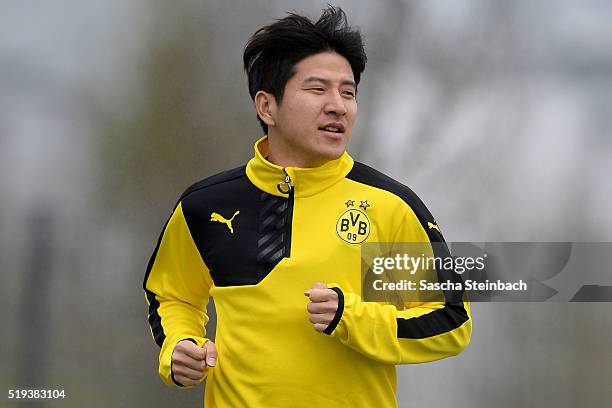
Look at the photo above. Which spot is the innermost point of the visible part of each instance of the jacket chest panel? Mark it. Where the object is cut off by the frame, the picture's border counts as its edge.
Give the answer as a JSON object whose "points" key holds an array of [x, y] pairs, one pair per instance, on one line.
{"points": [[241, 232]]}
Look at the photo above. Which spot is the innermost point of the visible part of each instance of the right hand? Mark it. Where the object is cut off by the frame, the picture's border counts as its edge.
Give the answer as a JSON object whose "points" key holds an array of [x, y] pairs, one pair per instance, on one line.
{"points": [[189, 361]]}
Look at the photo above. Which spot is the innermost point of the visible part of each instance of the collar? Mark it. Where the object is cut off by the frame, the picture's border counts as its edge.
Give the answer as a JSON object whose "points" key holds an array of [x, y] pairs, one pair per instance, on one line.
{"points": [[305, 181]]}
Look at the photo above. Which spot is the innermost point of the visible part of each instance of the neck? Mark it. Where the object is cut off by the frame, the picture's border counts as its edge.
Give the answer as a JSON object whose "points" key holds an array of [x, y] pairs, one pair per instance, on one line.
{"points": [[284, 156]]}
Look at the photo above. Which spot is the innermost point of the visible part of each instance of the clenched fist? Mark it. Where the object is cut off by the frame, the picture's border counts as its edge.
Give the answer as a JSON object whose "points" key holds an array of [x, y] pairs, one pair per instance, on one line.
{"points": [[322, 307], [189, 361]]}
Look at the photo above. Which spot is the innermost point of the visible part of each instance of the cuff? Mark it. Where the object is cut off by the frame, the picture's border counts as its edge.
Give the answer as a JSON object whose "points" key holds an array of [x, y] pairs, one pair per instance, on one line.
{"points": [[338, 315]]}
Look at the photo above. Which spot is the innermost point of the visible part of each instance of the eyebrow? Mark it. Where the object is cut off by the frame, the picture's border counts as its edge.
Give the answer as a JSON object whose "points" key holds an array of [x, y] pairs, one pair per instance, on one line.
{"points": [[327, 81]]}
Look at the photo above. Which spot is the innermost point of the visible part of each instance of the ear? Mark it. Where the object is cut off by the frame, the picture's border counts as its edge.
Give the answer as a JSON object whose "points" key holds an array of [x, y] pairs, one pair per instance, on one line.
{"points": [[265, 105]]}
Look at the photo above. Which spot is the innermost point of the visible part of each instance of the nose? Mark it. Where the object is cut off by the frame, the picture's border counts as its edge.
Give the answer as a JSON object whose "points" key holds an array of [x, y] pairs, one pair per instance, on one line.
{"points": [[335, 104]]}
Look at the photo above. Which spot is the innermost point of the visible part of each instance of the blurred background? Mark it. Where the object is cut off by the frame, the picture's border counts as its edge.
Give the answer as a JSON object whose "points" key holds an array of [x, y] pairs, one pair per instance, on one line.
{"points": [[497, 113]]}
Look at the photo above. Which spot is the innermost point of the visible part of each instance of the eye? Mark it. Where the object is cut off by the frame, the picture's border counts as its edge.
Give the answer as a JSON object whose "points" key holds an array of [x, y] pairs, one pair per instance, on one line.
{"points": [[317, 89], [350, 94]]}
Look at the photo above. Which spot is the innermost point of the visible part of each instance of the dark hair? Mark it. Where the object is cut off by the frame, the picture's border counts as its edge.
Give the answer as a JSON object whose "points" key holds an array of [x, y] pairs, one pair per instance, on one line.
{"points": [[273, 51]]}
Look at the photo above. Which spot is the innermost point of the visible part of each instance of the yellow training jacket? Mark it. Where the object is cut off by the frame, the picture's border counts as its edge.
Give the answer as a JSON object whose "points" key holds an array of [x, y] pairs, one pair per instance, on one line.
{"points": [[255, 238]]}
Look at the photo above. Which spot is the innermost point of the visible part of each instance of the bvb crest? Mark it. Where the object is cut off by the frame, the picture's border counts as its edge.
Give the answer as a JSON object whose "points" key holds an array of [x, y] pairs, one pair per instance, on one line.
{"points": [[353, 226]]}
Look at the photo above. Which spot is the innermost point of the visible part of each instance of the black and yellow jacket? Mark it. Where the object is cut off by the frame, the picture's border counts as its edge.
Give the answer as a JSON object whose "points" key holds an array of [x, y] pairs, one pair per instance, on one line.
{"points": [[255, 238]]}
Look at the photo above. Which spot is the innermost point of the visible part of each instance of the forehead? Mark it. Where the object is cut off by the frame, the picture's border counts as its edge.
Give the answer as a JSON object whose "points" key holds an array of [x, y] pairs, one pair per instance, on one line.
{"points": [[328, 65]]}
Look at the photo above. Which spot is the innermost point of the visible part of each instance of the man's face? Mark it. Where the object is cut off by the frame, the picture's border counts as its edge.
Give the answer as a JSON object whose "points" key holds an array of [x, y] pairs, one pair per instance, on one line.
{"points": [[314, 121]]}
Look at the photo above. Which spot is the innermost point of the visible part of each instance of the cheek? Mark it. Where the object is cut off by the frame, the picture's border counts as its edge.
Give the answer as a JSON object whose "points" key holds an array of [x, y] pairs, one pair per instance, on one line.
{"points": [[352, 113], [303, 111]]}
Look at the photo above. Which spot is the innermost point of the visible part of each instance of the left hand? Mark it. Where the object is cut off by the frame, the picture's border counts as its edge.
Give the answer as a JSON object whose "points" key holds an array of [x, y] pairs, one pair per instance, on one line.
{"points": [[322, 307]]}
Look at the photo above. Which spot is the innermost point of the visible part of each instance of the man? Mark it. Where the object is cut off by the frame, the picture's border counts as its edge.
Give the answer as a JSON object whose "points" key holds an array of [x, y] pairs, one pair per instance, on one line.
{"points": [[277, 244]]}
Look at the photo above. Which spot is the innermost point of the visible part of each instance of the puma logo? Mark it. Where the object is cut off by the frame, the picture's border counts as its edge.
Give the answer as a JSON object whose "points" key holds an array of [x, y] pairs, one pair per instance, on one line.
{"points": [[219, 218], [431, 225]]}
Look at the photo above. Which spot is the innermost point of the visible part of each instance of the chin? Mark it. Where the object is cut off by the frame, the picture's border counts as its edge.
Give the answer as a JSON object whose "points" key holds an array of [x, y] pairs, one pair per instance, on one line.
{"points": [[331, 153]]}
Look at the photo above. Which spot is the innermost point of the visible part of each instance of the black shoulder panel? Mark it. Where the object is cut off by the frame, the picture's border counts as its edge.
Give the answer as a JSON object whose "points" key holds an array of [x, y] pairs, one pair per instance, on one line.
{"points": [[224, 176], [237, 228], [453, 314], [217, 178], [367, 175]]}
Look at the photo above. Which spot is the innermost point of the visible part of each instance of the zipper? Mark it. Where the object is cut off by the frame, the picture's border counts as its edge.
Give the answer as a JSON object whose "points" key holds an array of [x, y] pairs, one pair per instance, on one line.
{"points": [[287, 189]]}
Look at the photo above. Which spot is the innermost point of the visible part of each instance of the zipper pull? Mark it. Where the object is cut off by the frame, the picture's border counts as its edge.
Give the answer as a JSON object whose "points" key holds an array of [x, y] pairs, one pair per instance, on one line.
{"points": [[286, 182]]}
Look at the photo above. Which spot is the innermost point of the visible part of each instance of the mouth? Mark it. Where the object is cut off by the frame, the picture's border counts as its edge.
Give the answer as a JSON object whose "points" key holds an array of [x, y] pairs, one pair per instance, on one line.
{"points": [[335, 128]]}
